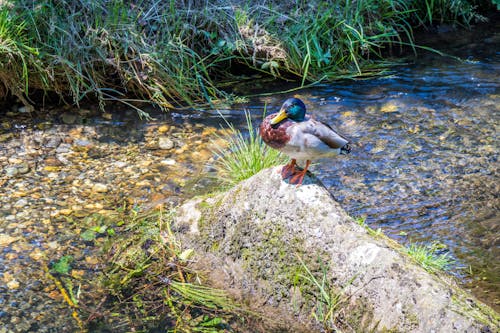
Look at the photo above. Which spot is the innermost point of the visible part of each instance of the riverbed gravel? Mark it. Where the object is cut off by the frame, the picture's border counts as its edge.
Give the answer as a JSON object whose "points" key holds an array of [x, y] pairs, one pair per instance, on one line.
{"points": [[58, 167]]}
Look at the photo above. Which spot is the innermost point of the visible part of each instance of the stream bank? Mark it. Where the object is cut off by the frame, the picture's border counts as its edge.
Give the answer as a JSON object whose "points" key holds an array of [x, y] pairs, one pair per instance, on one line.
{"points": [[63, 172]]}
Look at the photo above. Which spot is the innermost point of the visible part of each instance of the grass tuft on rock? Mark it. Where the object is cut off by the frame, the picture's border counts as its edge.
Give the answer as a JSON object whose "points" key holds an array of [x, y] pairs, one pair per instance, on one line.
{"points": [[330, 301], [244, 156], [428, 257]]}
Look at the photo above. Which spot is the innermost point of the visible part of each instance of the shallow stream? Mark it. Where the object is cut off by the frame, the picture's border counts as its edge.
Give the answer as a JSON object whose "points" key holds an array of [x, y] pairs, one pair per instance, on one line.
{"points": [[423, 168], [424, 162]]}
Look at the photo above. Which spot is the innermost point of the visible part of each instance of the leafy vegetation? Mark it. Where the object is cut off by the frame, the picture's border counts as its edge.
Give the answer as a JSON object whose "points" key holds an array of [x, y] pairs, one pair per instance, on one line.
{"points": [[113, 48], [329, 299], [374, 232], [245, 156], [63, 265], [17, 57], [173, 53], [150, 284], [428, 257]]}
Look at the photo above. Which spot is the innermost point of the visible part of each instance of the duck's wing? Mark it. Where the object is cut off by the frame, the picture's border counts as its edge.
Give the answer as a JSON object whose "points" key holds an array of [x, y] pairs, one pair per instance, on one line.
{"points": [[325, 133]]}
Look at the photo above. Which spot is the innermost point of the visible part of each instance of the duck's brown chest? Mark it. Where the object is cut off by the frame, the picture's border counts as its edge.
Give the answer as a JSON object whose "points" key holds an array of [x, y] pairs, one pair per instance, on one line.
{"points": [[275, 135]]}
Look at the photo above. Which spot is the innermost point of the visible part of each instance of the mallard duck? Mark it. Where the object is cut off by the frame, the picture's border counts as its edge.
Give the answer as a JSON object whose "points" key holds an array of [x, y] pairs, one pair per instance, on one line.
{"points": [[300, 137]]}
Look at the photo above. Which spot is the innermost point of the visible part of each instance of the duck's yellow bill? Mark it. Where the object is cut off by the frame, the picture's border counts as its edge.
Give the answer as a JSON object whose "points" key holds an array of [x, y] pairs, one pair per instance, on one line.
{"points": [[279, 117]]}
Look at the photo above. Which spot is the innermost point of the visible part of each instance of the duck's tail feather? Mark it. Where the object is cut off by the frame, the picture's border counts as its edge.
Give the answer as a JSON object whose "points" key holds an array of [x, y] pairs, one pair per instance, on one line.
{"points": [[346, 149]]}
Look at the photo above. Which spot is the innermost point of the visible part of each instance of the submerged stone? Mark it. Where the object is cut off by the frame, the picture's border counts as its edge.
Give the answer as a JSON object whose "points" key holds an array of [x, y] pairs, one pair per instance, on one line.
{"points": [[69, 118], [6, 240], [11, 171], [23, 168], [100, 188], [165, 143], [20, 203]]}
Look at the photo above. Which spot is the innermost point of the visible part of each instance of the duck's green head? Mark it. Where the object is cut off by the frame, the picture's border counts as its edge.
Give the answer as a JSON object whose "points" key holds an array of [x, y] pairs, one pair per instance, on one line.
{"points": [[293, 108]]}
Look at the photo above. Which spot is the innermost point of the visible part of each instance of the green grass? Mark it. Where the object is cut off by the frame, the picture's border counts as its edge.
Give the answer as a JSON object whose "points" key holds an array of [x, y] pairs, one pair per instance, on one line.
{"points": [[174, 54], [17, 57], [373, 232], [149, 283], [427, 256], [342, 38], [115, 50], [328, 299], [244, 156], [448, 11]]}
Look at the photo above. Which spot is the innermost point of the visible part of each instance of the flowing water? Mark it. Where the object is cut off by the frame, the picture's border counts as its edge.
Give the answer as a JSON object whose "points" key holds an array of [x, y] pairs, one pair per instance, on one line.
{"points": [[424, 162], [423, 168]]}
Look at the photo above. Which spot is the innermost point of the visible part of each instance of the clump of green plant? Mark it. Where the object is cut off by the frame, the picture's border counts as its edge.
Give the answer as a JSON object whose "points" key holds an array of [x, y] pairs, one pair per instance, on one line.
{"points": [[151, 286], [245, 156], [374, 232], [341, 39], [177, 53], [114, 50], [62, 266], [428, 256], [97, 225], [328, 300], [17, 56]]}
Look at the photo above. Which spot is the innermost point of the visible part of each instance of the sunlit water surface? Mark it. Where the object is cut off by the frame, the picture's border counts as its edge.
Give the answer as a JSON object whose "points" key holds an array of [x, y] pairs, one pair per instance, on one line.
{"points": [[424, 163], [423, 167]]}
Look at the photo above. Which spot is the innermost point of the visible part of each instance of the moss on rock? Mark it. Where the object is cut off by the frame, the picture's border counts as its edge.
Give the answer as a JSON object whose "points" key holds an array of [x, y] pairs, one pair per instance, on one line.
{"points": [[294, 250]]}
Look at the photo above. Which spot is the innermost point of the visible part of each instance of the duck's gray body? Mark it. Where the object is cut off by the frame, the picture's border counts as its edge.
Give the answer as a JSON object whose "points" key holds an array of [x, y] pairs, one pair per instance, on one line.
{"points": [[311, 140]]}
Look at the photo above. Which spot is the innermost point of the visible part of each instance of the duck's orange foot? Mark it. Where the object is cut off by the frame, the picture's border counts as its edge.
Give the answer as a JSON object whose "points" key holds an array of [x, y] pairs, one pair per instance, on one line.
{"points": [[289, 169], [298, 176]]}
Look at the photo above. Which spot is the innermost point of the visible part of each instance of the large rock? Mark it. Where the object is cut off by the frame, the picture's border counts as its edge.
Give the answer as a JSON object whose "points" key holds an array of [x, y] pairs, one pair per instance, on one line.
{"points": [[260, 236]]}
